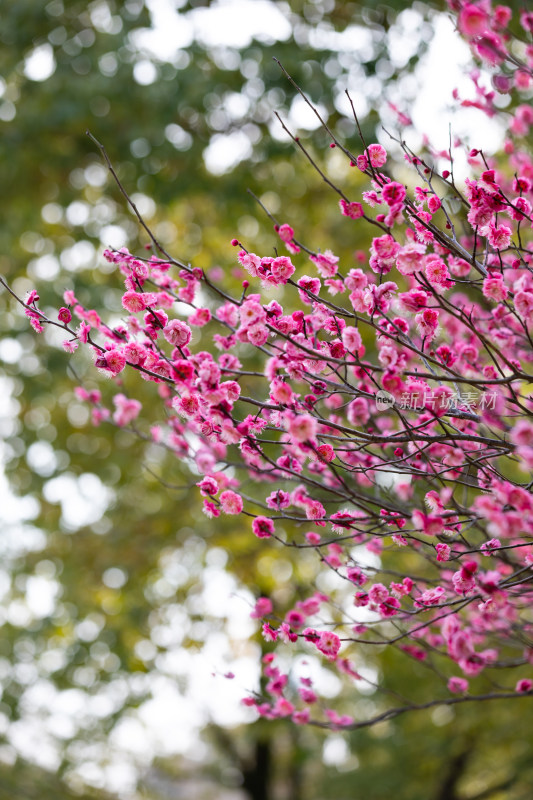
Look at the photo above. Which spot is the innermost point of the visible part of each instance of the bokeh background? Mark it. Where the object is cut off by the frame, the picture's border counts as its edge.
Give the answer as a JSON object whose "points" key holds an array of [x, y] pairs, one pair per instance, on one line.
{"points": [[122, 607]]}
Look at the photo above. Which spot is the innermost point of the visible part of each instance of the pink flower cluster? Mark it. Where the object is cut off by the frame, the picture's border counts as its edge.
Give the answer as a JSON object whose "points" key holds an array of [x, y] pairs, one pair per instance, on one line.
{"points": [[304, 383]]}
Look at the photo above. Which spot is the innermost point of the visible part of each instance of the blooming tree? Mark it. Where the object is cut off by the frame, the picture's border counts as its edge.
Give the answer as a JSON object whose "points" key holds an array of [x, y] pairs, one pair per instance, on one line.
{"points": [[388, 428]]}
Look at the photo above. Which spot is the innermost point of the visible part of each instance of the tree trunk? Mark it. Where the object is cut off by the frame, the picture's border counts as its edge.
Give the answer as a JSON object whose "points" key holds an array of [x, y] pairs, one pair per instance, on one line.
{"points": [[257, 775]]}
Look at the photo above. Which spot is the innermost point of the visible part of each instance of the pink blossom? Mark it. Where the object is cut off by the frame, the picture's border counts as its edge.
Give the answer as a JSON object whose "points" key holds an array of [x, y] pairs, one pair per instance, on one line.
{"points": [[329, 644], [358, 411], [522, 80], [473, 20], [278, 499], [410, 258], [457, 685], [352, 210], [521, 208], [325, 453], [285, 232], [463, 580], [414, 300], [163, 299], [377, 155], [199, 317], [64, 315], [372, 198], [231, 390], [434, 203], [356, 575], [188, 405], [351, 339], [361, 599], [522, 433], [283, 708], [458, 266], [489, 581], [302, 427], [281, 392], [251, 313], [126, 409], [356, 279], [315, 510], [92, 397], [35, 320], [308, 284], [277, 683], [257, 335], [177, 333], [263, 527], [437, 273], [489, 547], [228, 313], [326, 263], [499, 237], [155, 319], [501, 16], [281, 270], [431, 597], [523, 302], [250, 262], [301, 717], [443, 551], [135, 353], [231, 502], [263, 606], [385, 247], [427, 323], [431, 525], [495, 289], [389, 607], [393, 193], [311, 605], [133, 302], [307, 695], [526, 20], [210, 509], [98, 415], [269, 634], [378, 593], [387, 356], [490, 47], [335, 286], [208, 486], [295, 619], [338, 720], [115, 360]]}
